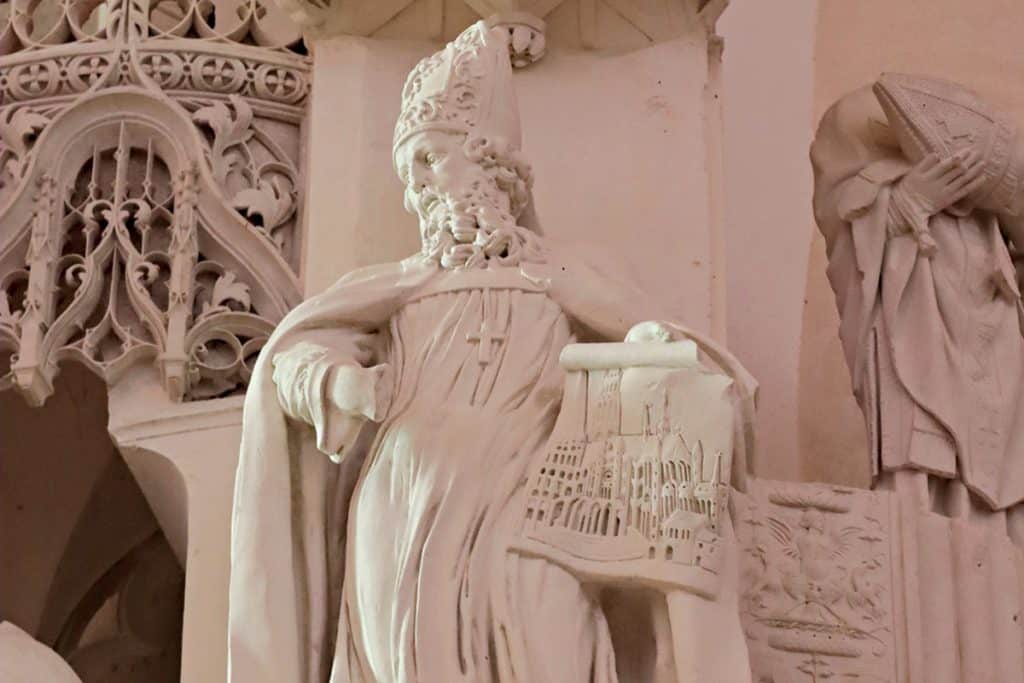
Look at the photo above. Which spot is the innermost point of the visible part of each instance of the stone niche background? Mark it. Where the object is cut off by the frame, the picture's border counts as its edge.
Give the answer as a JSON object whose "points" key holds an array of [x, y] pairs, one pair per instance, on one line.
{"points": [[624, 141], [85, 568]]}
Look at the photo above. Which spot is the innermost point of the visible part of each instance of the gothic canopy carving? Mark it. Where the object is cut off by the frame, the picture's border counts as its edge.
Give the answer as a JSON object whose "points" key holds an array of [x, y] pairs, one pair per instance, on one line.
{"points": [[150, 189]]}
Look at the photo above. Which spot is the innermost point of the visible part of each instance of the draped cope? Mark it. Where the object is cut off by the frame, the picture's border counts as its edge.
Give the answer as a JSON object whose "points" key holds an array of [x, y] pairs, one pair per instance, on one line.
{"points": [[393, 565]]}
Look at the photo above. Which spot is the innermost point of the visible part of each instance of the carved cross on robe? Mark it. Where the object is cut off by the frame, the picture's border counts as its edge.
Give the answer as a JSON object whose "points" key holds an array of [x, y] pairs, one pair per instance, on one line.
{"points": [[488, 333]]}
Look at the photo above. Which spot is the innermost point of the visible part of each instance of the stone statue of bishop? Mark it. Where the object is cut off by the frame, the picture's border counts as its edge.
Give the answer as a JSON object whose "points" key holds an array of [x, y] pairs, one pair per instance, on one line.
{"points": [[917, 192], [390, 422]]}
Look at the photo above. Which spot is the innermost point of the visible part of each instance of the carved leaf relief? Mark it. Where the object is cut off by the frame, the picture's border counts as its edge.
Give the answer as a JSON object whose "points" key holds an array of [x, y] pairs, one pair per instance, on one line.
{"points": [[19, 130], [269, 204], [231, 128], [119, 277], [110, 269], [228, 294], [247, 56], [251, 166]]}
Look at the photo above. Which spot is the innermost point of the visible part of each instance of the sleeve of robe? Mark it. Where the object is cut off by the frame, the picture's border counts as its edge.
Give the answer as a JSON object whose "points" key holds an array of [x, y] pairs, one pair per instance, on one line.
{"points": [[857, 218], [856, 249], [324, 387]]}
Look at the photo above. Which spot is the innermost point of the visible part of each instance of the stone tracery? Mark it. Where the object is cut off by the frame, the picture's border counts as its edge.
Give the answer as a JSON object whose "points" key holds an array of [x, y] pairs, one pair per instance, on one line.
{"points": [[148, 247]]}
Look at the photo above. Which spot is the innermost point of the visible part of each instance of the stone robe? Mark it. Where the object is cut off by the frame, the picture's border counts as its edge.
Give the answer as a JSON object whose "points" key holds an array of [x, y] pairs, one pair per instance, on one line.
{"points": [[409, 535], [430, 593], [934, 345]]}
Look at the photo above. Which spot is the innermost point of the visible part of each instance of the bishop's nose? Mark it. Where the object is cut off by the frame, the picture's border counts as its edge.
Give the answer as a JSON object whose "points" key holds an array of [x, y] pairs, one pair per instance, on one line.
{"points": [[419, 177]]}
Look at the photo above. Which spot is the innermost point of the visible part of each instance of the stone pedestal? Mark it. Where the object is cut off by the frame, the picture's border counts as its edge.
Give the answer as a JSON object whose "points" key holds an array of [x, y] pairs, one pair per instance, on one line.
{"points": [[184, 457], [863, 584]]}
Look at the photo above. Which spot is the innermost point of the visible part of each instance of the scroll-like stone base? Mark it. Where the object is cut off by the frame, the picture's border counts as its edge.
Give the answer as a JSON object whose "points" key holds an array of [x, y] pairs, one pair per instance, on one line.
{"points": [[847, 582]]}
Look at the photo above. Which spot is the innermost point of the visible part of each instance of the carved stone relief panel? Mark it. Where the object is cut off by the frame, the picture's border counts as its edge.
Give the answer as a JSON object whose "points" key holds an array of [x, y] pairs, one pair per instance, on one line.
{"points": [[256, 169], [115, 273], [633, 488], [817, 582], [251, 52]]}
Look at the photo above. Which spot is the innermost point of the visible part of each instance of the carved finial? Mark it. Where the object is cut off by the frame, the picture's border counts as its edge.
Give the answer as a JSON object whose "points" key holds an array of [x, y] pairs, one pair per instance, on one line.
{"points": [[526, 40], [697, 462]]}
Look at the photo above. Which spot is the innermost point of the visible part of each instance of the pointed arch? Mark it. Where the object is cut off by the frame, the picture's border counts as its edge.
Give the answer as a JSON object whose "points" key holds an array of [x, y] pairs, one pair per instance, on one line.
{"points": [[122, 247]]}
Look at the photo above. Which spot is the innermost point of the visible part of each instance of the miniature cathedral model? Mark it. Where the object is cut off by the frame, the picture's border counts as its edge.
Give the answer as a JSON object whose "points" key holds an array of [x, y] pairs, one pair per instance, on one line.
{"points": [[627, 488]]}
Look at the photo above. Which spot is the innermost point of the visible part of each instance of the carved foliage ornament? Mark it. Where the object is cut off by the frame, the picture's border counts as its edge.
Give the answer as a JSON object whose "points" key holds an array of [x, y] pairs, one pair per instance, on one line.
{"points": [[241, 54], [133, 254], [114, 273], [245, 161]]}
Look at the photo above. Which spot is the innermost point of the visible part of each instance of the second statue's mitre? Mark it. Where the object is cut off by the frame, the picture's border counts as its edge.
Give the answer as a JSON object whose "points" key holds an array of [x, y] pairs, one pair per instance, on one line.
{"points": [[930, 115], [465, 88]]}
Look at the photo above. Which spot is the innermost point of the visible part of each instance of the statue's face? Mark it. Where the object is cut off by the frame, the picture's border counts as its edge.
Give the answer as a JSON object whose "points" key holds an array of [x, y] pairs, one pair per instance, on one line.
{"points": [[434, 167], [462, 192]]}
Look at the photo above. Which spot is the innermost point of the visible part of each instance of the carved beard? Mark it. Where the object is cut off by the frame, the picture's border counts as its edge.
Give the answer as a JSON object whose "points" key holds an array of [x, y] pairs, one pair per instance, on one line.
{"points": [[472, 231]]}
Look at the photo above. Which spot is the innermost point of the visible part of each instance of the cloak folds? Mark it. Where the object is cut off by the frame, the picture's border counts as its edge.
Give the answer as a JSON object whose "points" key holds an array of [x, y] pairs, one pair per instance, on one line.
{"points": [[291, 501], [289, 513]]}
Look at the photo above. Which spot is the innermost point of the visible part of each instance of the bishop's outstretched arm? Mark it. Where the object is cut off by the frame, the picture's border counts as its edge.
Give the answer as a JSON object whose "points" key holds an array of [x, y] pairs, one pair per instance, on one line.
{"points": [[332, 391], [329, 363]]}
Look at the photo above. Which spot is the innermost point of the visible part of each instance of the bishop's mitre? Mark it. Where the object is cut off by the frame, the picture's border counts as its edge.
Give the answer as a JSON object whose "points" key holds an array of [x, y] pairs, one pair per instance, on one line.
{"points": [[466, 88], [932, 115]]}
